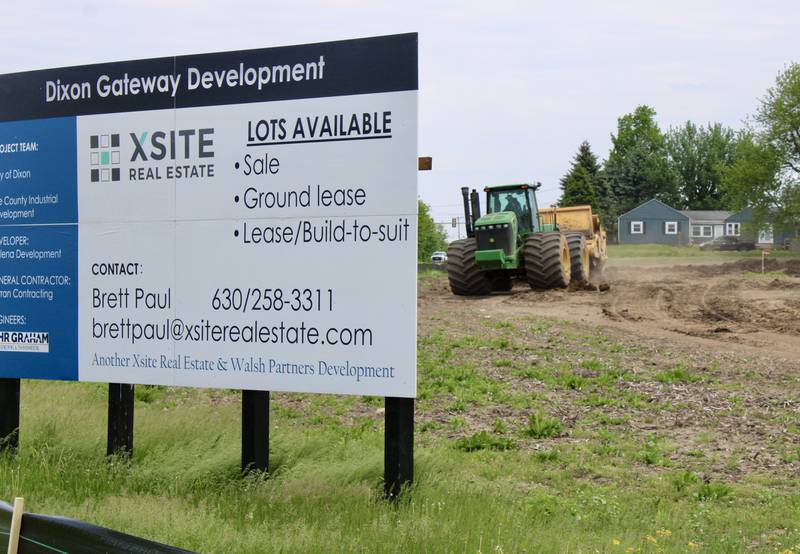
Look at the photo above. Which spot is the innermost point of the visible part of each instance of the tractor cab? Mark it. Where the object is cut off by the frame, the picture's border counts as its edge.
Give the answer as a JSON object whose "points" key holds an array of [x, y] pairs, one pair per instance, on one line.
{"points": [[512, 215], [518, 199]]}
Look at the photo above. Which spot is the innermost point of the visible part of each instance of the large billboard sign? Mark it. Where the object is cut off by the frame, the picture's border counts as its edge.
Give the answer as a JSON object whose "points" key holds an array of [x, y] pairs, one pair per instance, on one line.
{"points": [[240, 220]]}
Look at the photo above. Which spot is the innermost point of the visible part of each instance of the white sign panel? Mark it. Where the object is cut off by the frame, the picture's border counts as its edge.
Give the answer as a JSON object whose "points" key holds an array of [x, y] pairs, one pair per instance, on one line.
{"points": [[239, 220]]}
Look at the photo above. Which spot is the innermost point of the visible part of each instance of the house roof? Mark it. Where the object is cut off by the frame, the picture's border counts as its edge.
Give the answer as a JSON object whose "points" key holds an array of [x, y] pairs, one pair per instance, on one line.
{"points": [[707, 215], [656, 202]]}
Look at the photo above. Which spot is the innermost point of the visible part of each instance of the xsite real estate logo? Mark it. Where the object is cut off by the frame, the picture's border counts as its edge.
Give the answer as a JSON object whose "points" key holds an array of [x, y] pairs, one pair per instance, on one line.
{"points": [[104, 158]]}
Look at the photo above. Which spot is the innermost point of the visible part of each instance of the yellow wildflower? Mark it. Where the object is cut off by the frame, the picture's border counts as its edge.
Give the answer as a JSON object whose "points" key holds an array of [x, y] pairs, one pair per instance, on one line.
{"points": [[664, 533], [615, 542], [651, 538], [693, 545]]}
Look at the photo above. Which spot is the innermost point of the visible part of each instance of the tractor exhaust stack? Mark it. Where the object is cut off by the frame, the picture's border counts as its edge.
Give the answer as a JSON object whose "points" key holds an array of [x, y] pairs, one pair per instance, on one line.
{"points": [[467, 216], [475, 200]]}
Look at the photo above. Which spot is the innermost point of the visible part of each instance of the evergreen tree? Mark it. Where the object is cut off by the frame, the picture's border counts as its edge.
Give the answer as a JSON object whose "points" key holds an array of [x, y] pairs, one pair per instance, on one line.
{"points": [[578, 188], [585, 183], [586, 158]]}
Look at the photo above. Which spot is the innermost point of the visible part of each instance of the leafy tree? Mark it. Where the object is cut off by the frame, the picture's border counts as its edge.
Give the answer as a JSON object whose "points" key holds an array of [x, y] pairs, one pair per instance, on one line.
{"points": [[778, 119], [698, 156], [752, 180], [637, 168], [606, 202], [430, 236], [766, 176]]}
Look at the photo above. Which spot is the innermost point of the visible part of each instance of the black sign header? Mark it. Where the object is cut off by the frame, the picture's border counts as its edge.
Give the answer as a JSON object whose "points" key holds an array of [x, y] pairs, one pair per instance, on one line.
{"points": [[360, 66]]}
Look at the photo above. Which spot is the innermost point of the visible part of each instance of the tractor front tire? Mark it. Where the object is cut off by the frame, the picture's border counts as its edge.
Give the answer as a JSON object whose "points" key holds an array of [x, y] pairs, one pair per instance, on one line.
{"points": [[547, 261], [578, 257], [466, 278]]}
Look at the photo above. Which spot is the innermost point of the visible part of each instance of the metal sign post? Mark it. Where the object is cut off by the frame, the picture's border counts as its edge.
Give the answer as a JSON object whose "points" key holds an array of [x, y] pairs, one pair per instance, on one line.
{"points": [[398, 455], [120, 420], [255, 431], [9, 414]]}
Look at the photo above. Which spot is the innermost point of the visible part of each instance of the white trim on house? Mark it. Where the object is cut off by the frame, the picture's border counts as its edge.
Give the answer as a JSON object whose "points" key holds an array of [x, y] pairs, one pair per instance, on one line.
{"points": [[670, 227], [702, 231], [637, 227], [733, 229]]}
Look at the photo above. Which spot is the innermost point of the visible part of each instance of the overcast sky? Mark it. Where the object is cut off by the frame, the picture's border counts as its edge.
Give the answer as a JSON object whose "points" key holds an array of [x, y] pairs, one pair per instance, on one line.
{"points": [[508, 90]]}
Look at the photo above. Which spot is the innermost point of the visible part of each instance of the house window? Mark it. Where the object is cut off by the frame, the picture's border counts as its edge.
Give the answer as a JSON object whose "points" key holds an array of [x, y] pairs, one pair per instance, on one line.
{"points": [[733, 229], [765, 235], [671, 228], [702, 231], [637, 227]]}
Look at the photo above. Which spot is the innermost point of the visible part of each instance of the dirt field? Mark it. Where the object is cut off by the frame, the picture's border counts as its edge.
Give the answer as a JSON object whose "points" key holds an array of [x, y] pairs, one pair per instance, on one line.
{"points": [[730, 305], [704, 359]]}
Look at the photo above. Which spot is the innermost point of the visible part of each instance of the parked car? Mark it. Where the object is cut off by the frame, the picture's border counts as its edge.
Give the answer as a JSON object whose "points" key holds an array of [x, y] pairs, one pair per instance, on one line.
{"points": [[728, 243], [438, 257]]}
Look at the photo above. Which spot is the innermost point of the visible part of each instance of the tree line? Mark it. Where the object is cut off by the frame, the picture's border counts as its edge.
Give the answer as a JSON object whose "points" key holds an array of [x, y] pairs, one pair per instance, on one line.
{"points": [[691, 167], [697, 167]]}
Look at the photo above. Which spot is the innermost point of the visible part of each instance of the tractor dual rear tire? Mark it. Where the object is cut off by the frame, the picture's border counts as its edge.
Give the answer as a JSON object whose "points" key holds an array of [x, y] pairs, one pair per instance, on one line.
{"points": [[578, 257], [547, 261], [466, 278]]}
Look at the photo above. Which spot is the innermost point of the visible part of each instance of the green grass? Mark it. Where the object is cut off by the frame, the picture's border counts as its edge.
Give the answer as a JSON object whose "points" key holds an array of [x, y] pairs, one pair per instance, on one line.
{"points": [[524, 429], [182, 487], [617, 251]]}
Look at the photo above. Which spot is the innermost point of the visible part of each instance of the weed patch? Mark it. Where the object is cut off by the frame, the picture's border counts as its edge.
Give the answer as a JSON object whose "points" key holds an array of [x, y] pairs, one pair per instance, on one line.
{"points": [[542, 427], [676, 376], [713, 491], [484, 441]]}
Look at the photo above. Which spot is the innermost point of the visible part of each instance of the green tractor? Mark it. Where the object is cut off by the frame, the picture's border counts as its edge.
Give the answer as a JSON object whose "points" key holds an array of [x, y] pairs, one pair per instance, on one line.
{"points": [[511, 241]]}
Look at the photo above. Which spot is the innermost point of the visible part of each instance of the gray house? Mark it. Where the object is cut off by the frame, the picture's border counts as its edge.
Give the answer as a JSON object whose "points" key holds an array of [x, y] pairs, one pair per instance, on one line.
{"points": [[706, 224], [737, 225], [653, 223]]}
